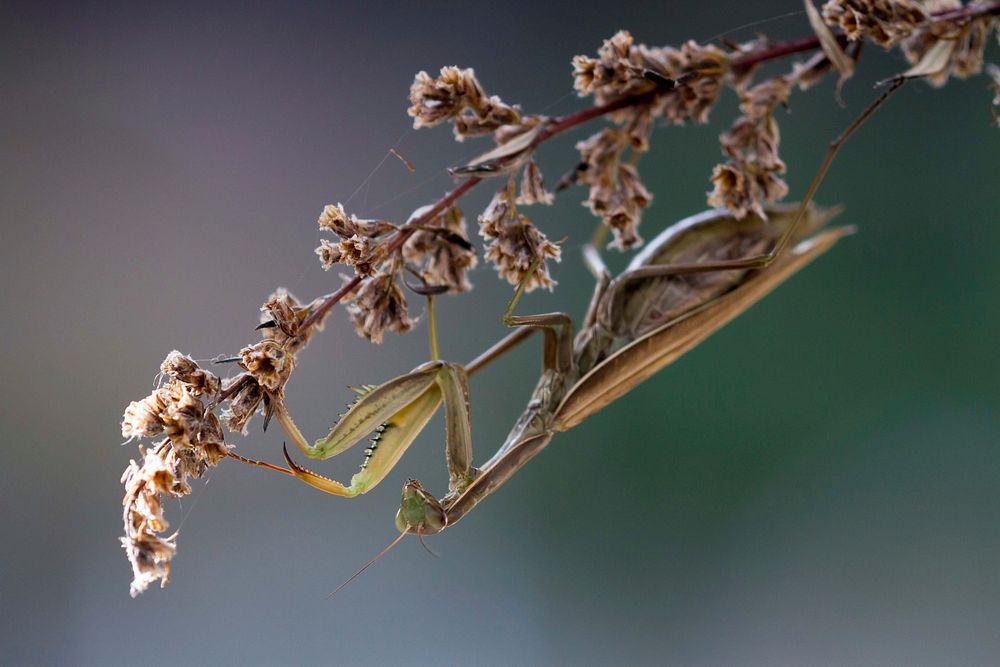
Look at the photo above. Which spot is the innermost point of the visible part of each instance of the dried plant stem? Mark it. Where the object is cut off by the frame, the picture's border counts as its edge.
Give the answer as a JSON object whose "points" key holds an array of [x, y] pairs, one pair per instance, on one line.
{"points": [[967, 12], [771, 52]]}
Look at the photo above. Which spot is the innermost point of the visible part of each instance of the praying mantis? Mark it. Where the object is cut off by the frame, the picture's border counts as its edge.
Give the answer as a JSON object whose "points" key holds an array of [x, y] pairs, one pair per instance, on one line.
{"points": [[690, 281]]}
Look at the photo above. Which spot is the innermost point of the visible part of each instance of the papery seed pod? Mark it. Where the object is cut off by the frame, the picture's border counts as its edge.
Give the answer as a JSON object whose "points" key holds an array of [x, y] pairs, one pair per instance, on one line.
{"points": [[532, 188], [442, 258], [751, 176], [379, 307], [456, 96], [513, 243], [884, 22], [336, 220], [268, 363], [242, 406]]}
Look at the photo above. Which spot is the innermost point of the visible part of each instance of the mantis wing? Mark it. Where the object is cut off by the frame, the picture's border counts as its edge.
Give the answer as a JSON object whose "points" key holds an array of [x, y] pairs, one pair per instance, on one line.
{"points": [[637, 361]]}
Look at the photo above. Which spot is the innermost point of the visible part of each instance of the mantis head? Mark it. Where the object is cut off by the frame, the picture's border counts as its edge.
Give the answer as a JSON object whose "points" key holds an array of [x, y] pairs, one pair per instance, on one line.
{"points": [[419, 511]]}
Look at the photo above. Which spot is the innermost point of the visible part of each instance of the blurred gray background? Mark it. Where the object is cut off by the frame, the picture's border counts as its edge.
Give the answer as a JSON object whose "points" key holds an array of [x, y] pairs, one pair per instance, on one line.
{"points": [[819, 483]]}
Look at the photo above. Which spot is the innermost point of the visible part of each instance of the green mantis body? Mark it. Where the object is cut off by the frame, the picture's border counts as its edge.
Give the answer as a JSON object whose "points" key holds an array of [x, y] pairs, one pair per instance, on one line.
{"points": [[690, 281]]}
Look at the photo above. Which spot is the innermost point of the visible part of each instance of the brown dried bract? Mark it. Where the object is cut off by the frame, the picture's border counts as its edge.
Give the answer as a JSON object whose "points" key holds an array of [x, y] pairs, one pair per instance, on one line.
{"points": [[440, 257], [623, 68], [335, 219], [243, 406], [457, 96], [751, 176], [956, 49], [532, 188], [379, 307], [885, 22], [617, 195], [514, 242]]}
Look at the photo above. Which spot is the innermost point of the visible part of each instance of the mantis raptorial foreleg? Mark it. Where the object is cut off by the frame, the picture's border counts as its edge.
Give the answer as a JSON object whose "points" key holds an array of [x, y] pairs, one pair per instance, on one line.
{"points": [[400, 408]]}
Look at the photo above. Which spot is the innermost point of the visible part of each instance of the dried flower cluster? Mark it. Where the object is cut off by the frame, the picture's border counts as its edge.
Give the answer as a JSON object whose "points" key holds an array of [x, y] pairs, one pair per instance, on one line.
{"points": [[937, 49], [268, 363], [364, 244], [433, 245], [885, 22], [440, 252], [623, 68], [182, 409], [514, 244], [456, 96], [692, 75], [751, 175], [193, 442]]}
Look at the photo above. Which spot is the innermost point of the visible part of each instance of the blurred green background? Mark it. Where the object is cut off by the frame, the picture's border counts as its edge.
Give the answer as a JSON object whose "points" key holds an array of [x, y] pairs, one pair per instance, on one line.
{"points": [[819, 483]]}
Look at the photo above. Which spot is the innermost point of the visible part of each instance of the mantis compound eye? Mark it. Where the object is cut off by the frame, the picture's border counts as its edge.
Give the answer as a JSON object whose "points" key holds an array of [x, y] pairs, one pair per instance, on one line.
{"points": [[419, 511]]}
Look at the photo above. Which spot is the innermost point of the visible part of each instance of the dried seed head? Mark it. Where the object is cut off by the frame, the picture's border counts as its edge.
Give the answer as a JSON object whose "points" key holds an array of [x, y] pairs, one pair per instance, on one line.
{"points": [[617, 195], [623, 68], [638, 127], [759, 102], [329, 254], [750, 177], [182, 414], [379, 307], [183, 368], [194, 442], [532, 188], [456, 96], [514, 243], [363, 243], [173, 408], [142, 418], [335, 219], [288, 314], [884, 22], [440, 257], [948, 48], [149, 554], [242, 406], [268, 363], [363, 253], [706, 65], [615, 72]]}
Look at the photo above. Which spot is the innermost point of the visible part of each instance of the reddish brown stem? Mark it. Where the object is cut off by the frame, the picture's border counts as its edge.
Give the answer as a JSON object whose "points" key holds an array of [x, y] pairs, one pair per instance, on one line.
{"points": [[568, 122]]}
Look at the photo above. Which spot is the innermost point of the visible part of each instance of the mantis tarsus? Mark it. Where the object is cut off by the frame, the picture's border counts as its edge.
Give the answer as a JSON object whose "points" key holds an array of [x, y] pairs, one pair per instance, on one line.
{"points": [[691, 280]]}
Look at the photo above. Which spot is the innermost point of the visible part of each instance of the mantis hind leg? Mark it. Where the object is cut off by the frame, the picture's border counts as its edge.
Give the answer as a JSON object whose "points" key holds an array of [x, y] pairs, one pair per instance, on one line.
{"points": [[763, 260], [557, 348]]}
